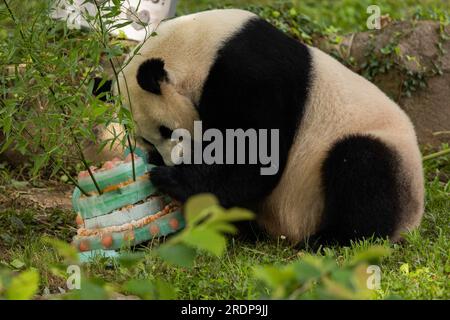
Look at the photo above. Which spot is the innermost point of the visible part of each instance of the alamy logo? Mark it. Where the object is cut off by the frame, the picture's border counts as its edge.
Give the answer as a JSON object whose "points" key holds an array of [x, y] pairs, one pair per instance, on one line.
{"points": [[74, 279], [141, 13], [374, 279], [236, 146], [374, 20]]}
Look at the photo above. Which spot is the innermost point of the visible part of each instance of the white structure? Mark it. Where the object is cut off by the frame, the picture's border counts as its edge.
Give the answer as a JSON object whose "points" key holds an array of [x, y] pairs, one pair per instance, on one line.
{"points": [[145, 14]]}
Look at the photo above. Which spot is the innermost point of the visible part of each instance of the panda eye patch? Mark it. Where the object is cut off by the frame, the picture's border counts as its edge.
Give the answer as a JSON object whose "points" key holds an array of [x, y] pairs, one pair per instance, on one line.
{"points": [[165, 132]]}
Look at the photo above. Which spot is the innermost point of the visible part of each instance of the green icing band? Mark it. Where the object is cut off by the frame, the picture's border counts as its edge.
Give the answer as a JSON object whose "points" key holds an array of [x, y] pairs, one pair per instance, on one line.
{"points": [[121, 173], [94, 206], [161, 227]]}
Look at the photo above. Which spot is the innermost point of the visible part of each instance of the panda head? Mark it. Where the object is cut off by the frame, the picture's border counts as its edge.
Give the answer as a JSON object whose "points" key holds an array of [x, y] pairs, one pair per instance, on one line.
{"points": [[157, 106]]}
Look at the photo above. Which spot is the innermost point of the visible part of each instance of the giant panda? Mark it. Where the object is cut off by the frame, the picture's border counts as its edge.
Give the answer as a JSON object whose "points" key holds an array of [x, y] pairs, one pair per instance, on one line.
{"points": [[349, 163]]}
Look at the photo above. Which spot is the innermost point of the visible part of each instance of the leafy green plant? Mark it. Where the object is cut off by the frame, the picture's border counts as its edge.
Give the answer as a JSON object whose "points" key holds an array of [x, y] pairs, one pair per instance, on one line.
{"points": [[314, 277], [390, 57], [291, 21], [208, 225], [38, 68], [303, 21], [47, 109], [18, 286]]}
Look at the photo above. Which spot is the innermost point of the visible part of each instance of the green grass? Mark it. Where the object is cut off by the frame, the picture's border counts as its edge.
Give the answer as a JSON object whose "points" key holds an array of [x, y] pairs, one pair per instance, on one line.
{"points": [[346, 15], [419, 268]]}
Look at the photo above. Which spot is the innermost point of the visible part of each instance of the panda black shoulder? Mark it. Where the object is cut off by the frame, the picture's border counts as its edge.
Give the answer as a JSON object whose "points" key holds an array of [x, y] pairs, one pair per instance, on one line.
{"points": [[260, 80]]}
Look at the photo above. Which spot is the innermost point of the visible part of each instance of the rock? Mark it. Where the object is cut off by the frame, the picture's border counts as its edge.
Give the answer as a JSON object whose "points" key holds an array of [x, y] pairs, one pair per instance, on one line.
{"points": [[412, 48]]}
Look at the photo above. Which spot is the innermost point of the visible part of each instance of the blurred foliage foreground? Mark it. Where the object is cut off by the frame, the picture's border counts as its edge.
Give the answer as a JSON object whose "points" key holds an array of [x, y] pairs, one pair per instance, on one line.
{"points": [[207, 226]]}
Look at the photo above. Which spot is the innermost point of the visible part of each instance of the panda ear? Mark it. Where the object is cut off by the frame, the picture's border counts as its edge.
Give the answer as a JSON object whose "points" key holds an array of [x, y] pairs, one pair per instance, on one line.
{"points": [[150, 75]]}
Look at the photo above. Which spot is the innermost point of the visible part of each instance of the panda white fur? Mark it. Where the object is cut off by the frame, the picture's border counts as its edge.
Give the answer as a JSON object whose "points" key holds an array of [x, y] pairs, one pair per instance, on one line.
{"points": [[350, 166]]}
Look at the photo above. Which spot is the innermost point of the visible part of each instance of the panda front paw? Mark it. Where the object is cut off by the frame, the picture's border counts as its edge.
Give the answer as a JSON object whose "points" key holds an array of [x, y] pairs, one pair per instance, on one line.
{"points": [[167, 180]]}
